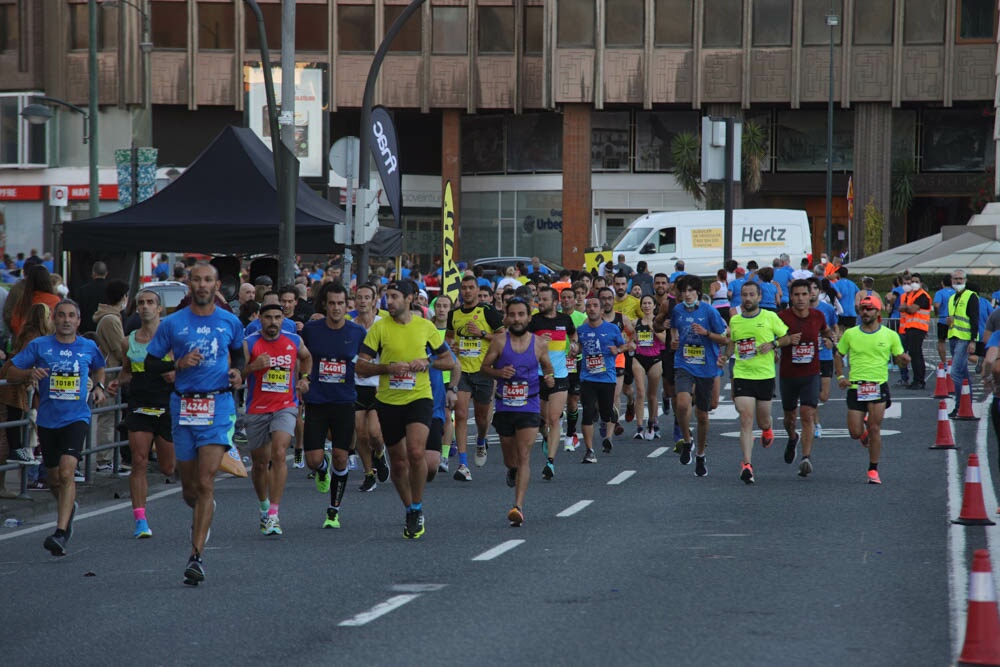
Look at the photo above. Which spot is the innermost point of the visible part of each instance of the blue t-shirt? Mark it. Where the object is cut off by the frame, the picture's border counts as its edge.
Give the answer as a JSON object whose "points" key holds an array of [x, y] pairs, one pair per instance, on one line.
{"points": [[598, 363], [62, 396], [898, 291], [984, 312], [675, 275], [334, 353], [941, 298], [437, 384], [287, 326], [830, 314], [736, 300], [783, 276], [846, 290], [994, 340], [213, 335], [768, 296], [697, 354]]}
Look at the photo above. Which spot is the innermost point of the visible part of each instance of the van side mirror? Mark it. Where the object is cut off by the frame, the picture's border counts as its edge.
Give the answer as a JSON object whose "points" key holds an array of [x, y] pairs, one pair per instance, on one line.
{"points": [[648, 249]]}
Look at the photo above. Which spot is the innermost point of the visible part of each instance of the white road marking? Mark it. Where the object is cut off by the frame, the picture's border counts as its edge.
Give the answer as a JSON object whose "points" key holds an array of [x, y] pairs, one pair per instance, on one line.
{"points": [[989, 493], [416, 588], [894, 411], [574, 508], [498, 550], [381, 609], [724, 412], [621, 477], [958, 571], [659, 451], [728, 535], [827, 433]]}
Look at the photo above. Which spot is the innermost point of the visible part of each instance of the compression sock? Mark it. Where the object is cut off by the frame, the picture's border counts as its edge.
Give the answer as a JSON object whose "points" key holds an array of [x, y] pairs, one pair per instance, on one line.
{"points": [[272, 510], [139, 513], [265, 505], [571, 417], [339, 485], [463, 458]]}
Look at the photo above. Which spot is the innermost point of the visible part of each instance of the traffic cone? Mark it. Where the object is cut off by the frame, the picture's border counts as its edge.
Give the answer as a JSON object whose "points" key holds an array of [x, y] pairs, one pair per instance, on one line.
{"points": [[973, 509], [944, 437], [965, 412], [941, 383], [982, 626], [947, 377]]}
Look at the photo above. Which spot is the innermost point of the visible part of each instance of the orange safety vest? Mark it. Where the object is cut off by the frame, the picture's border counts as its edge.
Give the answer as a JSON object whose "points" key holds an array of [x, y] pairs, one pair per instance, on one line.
{"points": [[919, 320]]}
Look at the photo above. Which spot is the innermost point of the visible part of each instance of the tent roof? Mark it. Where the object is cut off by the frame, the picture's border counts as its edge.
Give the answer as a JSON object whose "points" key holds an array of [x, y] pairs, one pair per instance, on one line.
{"points": [[895, 260], [225, 202], [981, 259]]}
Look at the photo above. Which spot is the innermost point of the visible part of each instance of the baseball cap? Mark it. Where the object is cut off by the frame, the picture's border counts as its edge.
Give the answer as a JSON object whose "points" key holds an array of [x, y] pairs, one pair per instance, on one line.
{"points": [[740, 271], [871, 301], [403, 286], [263, 280]]}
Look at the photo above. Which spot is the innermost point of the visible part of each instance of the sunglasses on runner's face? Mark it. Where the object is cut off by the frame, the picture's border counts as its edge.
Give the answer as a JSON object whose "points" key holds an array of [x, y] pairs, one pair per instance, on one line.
{"points": [[868, 308]]}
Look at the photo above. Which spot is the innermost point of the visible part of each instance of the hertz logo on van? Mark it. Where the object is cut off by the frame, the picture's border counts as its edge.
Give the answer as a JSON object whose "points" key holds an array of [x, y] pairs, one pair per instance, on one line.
{"points": [[763, 237]]}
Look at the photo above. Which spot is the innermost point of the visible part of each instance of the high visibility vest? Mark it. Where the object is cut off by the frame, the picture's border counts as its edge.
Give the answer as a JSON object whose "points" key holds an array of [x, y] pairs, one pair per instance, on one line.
{"points": [[958, 305], [919, 320]]}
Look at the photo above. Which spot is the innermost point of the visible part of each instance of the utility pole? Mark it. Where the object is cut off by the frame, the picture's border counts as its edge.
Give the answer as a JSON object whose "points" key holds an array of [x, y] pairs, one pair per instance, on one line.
{"points": [[286, 243], [95, 184]]}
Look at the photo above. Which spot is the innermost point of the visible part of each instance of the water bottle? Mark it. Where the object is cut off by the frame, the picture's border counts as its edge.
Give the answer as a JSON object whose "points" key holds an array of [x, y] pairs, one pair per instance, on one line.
{"points": [[12, 523]]}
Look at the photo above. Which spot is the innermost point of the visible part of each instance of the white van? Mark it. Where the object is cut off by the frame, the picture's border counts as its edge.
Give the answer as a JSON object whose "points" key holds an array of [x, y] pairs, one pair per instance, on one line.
{"points": [[761, 234]]}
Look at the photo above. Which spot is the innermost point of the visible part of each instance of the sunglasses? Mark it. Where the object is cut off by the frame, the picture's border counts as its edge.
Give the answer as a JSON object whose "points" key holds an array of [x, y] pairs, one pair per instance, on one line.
{"points": [[869, 308]]}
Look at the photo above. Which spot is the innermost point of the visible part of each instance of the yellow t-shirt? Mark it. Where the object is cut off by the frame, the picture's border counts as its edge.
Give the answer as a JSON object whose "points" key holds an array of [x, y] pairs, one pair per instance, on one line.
{"points": [[394, 342], [471, 350], [749, 333], [629, 307]]}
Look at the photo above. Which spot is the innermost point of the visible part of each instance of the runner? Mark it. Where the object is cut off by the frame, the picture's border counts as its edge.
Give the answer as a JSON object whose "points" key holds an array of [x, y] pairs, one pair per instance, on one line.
{"points": [[624, 325], [148, 416], [445, 393], [206, 343], [628, 306], [63, 365], [666, 298], [442, 306], [647, 368], [870, 346], [468, 328], [334, 343], [754, 335], [516, 358], [600, 343], [800, 371], [275, 360], [367, 434], [404, 400], [558, 332], [697, 332], [826, 348], [568, 301], [941, 299]]}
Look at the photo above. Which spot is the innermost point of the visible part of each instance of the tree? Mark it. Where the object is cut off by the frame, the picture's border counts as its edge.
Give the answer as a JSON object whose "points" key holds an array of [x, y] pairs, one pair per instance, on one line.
{"points": [[686, 152]]}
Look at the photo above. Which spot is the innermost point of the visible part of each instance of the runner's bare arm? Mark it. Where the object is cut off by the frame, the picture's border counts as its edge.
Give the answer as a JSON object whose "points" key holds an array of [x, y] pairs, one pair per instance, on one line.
{"points": [[492, 354], [548, 372], [304, 368]]}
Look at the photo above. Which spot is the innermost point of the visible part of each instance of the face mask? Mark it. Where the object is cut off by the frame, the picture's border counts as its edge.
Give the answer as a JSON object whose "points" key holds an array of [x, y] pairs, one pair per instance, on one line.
{"points": [[907, 288], [959, 287], [692, 305]]}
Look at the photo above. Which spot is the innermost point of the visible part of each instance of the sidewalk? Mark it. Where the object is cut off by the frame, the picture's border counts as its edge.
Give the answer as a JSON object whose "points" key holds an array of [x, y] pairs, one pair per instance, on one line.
{"points": [[103, 488]]}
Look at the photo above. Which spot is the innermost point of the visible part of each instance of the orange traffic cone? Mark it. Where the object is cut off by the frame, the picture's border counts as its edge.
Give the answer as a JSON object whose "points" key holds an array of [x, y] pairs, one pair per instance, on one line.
{"points": [[944, 437], [965, 412], [947, 377], [982, 627], [941, 383], [973, 509]]}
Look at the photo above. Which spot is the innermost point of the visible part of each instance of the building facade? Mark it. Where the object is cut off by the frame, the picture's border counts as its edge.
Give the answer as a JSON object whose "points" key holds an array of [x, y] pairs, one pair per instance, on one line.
{"points": [[554, 120]]}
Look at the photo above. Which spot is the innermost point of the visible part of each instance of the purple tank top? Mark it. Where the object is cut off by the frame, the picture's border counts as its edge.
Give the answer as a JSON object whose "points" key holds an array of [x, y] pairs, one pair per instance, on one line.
{"points": [[520, 393]]}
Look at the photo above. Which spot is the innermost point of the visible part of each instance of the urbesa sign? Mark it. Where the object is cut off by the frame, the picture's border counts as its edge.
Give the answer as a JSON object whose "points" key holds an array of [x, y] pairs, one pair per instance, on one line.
{"points": [[767, 236]]}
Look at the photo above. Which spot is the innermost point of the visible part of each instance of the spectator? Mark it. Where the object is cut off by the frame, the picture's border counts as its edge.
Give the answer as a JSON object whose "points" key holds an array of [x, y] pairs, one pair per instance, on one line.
{"points": [[244, 294], [110, 339], [162, 270], [643, 278], [678, 271], [91, 295], [15, 396], [509, 279], [35, 288], [48, 262], [622, 267], [180, 273]]}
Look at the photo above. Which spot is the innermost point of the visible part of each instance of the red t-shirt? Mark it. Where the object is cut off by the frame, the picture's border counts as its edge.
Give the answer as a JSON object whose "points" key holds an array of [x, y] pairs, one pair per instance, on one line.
{"points": [[273, 389], [802, 359]]}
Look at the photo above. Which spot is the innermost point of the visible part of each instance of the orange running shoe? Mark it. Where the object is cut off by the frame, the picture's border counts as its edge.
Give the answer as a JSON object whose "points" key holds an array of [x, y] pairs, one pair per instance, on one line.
{"points": [[515, 516], [873, 477]]}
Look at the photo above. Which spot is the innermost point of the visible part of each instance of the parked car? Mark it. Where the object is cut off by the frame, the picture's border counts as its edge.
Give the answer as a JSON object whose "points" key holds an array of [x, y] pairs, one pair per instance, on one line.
{"points": [[171, 293], [495, 266]]}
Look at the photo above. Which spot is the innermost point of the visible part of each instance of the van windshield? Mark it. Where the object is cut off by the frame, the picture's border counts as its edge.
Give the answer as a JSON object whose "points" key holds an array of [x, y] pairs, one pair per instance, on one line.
{"points": [[633, 239]]}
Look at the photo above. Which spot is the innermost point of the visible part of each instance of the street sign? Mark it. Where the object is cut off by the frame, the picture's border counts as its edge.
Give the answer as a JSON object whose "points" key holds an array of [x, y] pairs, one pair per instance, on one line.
{"points": [[342, 149], [58, 195]]}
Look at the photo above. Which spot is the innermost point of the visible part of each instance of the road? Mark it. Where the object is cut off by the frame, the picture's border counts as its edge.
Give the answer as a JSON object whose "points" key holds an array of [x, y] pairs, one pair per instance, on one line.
{"points": [[632, 560]]}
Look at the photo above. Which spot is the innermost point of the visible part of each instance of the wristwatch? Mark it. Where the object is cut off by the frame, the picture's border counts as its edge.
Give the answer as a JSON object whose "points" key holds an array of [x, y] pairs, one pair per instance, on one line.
{"points": [[452, 389]]}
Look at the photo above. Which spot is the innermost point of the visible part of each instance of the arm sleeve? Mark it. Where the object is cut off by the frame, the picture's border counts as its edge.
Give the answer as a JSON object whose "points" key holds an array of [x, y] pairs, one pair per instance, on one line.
{"points": [[493, 318]]}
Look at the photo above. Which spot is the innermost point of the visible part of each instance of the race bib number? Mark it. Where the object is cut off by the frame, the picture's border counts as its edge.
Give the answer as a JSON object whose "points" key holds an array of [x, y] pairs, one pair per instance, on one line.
{"points": [[197, 411], [332, 371], [64, 386], [746, 348], [595, 363], [469, 347], [644, 338], [515, 394], [404, 381], [869, 391], [150, 412], [802, 353], [694, 354], [276, 380]]}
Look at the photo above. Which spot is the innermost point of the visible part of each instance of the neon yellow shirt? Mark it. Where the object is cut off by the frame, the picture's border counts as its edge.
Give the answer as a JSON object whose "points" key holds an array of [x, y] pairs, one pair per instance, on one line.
{"points": [[749, 333], [395, 342], [870, 353], [629, 307]]}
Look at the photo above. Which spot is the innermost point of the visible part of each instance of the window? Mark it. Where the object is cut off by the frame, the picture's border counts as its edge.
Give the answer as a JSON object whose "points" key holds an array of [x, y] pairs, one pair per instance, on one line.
{"points": [[534, 27], [956, 140], [408, 39], [168, 23], [534, 143], [216, 27], [815, 31], [654, 135], [576, 23], [666, 240], [79, 31], [723, 24], [482, 145], [873, 22], [21, 144], [311, 31], [272, 28], [496, 29], [356, 28], [772, 23], [923, 22], [624, 23], [800, 140], [609, 141], [9, 126], [8, 27], [674, 21], [451, 30], [977, 19]]}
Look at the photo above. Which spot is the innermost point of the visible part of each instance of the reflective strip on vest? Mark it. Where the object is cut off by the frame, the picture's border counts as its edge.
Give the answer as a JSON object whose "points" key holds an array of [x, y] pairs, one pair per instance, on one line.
{"points": [[919, 320], [960, 326]]}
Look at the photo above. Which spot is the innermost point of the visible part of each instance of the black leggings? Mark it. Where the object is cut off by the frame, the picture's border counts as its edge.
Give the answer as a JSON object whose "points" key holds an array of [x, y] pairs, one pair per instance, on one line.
{"points": [[14, 432]]}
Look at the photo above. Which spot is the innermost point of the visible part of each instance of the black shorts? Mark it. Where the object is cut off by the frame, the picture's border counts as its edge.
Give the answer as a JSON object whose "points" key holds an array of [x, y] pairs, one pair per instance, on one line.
{"points": [[598, 399], [762, 390], [395, 418], [436, 436], [667, 359], [138, 422], [561, 384], [826, 368], [628, 369], [573, 384], [847, 321], [647, 362], [65, 441], [479, 384], [862, 406], [507, 423], [942, 330], [366, 398], [799, 390], [700, 388], [335, 419]]}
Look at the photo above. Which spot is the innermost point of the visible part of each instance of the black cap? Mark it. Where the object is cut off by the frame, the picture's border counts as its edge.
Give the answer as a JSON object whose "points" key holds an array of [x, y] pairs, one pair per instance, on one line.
{"points": [[403, 286], [263, 280], [271, 306]]}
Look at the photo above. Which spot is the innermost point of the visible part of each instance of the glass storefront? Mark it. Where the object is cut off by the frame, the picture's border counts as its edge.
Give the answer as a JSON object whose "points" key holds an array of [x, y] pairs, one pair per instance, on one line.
{"points": [[511, 223]]}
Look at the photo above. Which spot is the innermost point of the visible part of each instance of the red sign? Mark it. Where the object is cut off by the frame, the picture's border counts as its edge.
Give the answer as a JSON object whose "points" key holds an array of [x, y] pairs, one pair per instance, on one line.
{"points": [[82, 192], [20, 192]]}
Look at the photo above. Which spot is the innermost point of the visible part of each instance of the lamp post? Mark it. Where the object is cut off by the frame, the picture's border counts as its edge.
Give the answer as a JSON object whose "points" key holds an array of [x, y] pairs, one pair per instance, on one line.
{"points": [[832, 20]]}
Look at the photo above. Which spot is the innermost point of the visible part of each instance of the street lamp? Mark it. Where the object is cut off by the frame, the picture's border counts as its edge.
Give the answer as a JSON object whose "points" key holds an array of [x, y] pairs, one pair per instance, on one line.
{"points": [[832, 20]]}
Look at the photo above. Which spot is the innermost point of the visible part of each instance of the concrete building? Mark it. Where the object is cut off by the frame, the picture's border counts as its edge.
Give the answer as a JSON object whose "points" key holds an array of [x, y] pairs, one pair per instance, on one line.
{"points": [[553, 119]]}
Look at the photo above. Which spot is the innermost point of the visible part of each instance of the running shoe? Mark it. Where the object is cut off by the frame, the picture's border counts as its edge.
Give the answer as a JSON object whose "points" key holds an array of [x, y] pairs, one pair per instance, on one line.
{"points": [[549, 471], [480, 455], [273, 525], [873, 477], [767, 438], [790, 449], [686, 453], [382, 467], [104, 467], [589, 457], [511, 477], [443, 466], [240, 436], [56, 544], [606, 445], [746, 474], [805, 467], [864, 439], [262, 523], [142, 529], [194, 573], [515, 516], [818, 431], [23, 456], [299, 461], [699, 466], [323, 478], [332, 518], [571, 444], [414, 524], [656, 431], [619, 429], [650, 434], [616, 415], [69, 524], [639, 435], [78, 476], [679, 446], [463, 474], [630, 411], [369, 483]]}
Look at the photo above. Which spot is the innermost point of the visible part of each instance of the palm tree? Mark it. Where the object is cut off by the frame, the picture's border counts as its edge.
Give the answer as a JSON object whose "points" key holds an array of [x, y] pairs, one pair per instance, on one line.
{"points": [[686, 152]]}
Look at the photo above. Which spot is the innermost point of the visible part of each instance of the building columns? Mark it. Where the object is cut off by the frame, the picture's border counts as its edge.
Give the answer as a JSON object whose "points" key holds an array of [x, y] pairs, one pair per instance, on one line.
{"points": [[451, 165], [577, 197], [872, 170]]}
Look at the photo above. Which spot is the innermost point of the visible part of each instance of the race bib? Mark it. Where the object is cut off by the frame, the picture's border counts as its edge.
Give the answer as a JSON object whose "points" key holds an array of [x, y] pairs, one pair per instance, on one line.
{"points": [[197, 411], [869, 391], [694, 354], [802, 353], [404, 381], [746, 348], [469, 347], [150, 412], [515, 394], [644, 338], [276, 380], [332, 371], [595, 363], [64, 386]]}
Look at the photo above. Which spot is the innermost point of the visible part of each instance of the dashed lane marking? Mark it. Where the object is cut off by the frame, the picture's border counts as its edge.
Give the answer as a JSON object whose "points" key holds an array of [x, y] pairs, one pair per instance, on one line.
{"points": [[574, 508], [620, 477], [659, 451], [499, 550], [381, 609]]}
